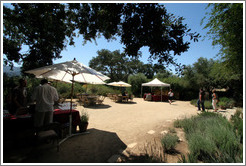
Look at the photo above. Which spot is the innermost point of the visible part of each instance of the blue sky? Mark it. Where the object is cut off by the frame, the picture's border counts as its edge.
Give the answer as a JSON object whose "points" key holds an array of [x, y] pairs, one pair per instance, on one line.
{"points": [[193, 14]]}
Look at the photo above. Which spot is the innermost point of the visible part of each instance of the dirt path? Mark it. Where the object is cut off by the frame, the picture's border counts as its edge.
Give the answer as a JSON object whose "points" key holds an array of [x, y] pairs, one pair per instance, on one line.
{"points": [[117, 129]]}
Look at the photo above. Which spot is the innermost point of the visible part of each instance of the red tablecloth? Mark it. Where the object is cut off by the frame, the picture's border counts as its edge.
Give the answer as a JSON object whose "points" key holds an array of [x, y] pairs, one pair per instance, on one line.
{"points": [[62, 116], [158, 97]]}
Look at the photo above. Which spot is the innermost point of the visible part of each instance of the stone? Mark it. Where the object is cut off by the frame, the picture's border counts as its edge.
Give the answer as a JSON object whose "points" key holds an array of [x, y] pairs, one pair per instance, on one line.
{"points": [[151, 132]]}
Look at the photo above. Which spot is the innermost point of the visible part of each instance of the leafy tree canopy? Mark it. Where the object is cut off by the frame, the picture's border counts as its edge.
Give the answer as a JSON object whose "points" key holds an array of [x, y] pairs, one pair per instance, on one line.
{"points": [[47, 28], [118, 67], [225, 24]]}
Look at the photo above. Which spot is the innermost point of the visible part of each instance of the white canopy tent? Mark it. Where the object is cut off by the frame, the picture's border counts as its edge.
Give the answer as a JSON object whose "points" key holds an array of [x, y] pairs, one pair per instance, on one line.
{"points": [[155, 83]]}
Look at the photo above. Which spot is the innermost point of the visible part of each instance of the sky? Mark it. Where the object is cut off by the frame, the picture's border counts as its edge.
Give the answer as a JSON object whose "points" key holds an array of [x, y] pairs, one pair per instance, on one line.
{"points": [[193, 14]]}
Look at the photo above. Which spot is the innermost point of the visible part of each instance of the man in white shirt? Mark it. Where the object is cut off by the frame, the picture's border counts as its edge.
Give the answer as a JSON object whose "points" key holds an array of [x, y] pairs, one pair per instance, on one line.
{"points": [[45, 96]]}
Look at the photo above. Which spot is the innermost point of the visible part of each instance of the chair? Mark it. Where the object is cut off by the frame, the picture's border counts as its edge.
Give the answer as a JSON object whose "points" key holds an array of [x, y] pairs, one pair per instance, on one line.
{"points": [[125, 98], [83, 99], [48, 135], [131, 97], [49, 132], [100, 99]]}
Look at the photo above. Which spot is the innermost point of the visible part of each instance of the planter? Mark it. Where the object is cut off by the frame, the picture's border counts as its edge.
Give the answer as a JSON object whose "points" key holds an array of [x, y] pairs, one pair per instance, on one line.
{"points": [[83, 126]]}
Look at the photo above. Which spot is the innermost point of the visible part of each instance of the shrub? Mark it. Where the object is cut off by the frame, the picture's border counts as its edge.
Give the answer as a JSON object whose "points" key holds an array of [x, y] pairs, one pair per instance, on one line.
{"points": [[226, 102], [172, 130], [136, 80], [194, 102], [208, 104], [84, 116], [169, 142], [237, 122], [211, 138]]}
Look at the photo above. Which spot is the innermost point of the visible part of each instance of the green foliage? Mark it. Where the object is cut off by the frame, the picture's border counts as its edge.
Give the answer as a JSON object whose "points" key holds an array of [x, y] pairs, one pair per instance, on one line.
{"points": [[226, 102], [191, 159], [208, 104], [225, 24], [237, 122], [169, 141], [101, 90], [46, 28], [211, 138], [172, 130], [136, 82], [84, 116], [118, 67]]}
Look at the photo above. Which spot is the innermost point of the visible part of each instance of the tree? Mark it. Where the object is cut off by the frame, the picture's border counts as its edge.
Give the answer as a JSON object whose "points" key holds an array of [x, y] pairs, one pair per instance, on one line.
{"points": [[118, 67], [225, 23], [112, 64], [41, 27], [47, 28], [136, 81]]}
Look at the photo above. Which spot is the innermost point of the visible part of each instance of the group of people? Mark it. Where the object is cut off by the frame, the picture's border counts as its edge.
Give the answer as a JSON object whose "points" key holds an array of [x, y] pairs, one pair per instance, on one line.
{"points": [[201, 100], [44, 95]]}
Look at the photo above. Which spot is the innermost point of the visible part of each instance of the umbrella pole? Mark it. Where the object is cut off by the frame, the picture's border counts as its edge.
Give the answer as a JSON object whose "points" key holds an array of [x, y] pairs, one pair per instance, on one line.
{"points": [[70, 117], [161, 93], [71, 107], [141, 91]]}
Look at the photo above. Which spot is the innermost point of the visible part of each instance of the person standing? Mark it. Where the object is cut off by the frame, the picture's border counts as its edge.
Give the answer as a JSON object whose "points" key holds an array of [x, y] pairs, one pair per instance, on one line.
{"points": [[45, 95], [19, 98], [201, 100], [170, 96], [214, 100]]}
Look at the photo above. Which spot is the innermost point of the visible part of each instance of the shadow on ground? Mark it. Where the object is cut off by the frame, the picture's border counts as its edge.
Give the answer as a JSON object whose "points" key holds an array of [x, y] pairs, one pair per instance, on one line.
{"points": [[99, 106], [129, 102], [95, 147]]}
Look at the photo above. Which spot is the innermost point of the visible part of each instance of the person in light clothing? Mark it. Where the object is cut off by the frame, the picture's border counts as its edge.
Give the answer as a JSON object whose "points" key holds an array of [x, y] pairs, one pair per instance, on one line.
{"points": [[45, 95], [170, 96], [214, 101]]}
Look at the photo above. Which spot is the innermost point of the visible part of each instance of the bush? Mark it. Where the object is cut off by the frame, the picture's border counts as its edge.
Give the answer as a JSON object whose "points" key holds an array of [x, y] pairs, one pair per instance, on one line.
{"points": [[169, 142], [84, 116], [208, 104], [211, 138], [136, 82], [237, 122], [226, 102]]}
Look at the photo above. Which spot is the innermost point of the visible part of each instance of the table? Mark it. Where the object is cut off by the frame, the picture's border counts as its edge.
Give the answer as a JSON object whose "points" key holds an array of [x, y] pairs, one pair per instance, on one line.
{"points": [[92, 100], [62, 116], [157, 97], [13, 122], [87, 100]]}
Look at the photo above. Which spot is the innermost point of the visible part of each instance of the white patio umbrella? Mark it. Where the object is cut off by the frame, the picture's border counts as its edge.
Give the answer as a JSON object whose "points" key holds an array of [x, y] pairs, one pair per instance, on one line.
{"points": [[119, 84], [70, 71]]}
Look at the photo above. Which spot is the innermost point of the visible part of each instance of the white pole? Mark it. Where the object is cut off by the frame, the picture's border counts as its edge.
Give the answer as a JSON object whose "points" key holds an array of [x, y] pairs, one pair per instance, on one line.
{"points": [[141, 91], [161, 93]]}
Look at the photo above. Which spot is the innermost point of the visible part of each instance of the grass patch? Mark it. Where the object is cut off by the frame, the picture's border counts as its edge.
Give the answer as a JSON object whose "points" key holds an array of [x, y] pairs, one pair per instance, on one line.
{"points": [[169, 141], [211, 138]]}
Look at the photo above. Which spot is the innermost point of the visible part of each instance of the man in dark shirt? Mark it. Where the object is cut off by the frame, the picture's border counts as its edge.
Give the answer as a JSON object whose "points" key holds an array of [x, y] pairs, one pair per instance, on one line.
{"points": [[201, 100], [19, 102]]}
